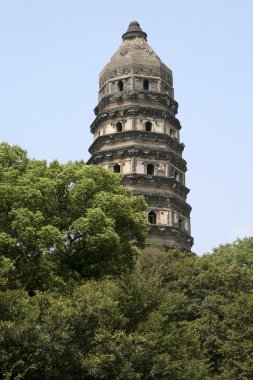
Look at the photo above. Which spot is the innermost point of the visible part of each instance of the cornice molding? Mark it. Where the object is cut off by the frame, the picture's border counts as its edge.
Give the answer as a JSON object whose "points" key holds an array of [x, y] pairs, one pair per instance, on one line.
{"points": [[137, 95], [138, 151], [153, 182], [164, 201], [174, 237], [137, 136], [161, 71], [133, 111]]}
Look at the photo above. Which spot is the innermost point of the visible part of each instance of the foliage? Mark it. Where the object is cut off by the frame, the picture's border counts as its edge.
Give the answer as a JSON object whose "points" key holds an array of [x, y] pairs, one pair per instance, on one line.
{"points": [[63, 221], [77, 301]]}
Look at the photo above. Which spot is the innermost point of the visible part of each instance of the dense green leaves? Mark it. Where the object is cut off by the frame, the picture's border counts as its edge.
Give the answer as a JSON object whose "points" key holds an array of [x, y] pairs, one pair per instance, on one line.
{"points": [[174, 317], [79, 301], [63, 221]]}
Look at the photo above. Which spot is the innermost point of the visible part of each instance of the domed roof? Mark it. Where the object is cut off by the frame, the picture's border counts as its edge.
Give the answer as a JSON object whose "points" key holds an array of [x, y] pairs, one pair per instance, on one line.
{"points": [[133, 50], [134, 30]]}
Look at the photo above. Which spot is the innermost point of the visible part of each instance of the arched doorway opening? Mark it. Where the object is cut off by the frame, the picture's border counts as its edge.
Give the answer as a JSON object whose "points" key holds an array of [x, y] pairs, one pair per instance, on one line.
{"points": [[146, 84], [150, 169], [119, 126], [120, 85], [152, 217], [148, 126], [116, 168]]}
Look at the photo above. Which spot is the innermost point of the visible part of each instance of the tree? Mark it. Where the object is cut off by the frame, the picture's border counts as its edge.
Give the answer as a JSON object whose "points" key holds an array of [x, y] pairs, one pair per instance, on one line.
{"points": [[76, 301], [85, 335], [237, 254], [62, 221]]}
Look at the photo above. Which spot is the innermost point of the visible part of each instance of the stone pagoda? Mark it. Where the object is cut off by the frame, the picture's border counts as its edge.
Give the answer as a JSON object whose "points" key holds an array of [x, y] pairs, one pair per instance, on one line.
{"points": [[137, 134]]}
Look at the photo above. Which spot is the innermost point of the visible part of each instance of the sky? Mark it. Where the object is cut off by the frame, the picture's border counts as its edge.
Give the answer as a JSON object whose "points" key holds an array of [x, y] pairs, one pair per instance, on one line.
{"points": [[51, 53]]}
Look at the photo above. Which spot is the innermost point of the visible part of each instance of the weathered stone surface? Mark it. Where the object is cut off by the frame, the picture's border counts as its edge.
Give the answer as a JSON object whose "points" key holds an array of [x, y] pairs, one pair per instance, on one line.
{"points": [[137, 134]]}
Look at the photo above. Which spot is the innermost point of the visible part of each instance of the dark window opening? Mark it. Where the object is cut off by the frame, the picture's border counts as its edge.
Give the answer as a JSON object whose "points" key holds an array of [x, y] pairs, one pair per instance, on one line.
{"points": [[176, 176], [180, 224], [120, 85], [148, 126], [146, 84], [150, 169], [152, 217], [119, 126], [116, 168]]}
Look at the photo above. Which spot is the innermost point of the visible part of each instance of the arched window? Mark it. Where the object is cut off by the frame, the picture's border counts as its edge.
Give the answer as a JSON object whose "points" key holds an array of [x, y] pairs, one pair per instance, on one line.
{"points": [[180, 224], [116, 168], [146, 84], [119, 126], [148, 126], [120, 85], [150, 169], [176, 176], [152, 217]]}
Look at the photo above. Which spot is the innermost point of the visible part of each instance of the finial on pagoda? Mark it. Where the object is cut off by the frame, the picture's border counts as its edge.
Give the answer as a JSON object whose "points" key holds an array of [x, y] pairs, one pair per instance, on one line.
{"points": [[134, 30]]}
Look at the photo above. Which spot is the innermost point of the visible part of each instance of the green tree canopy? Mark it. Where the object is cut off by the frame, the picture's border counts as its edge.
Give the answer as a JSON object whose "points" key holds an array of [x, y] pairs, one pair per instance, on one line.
{"points": [[65, 220], [77, 301]]}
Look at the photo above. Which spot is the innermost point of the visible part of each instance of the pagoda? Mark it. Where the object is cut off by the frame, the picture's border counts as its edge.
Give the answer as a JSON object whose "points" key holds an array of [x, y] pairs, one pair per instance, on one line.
{"points": [[136, 133]]}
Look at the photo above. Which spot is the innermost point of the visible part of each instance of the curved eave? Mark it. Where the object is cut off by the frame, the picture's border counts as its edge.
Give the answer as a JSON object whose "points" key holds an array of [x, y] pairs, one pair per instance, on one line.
{"points": [[154, 181], [166, 201], [170, 237], [131, 111], [132, 63], [136, 135], [164, 100], [139, 151]]}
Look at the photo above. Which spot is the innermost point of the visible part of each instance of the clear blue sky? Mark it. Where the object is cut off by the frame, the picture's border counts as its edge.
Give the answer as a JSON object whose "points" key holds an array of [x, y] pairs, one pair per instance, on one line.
{"points": [[51, 52]]}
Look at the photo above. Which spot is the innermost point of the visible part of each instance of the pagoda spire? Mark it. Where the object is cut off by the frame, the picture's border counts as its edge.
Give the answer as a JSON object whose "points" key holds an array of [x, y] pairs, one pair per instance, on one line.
{"points": [[134, 30]]}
